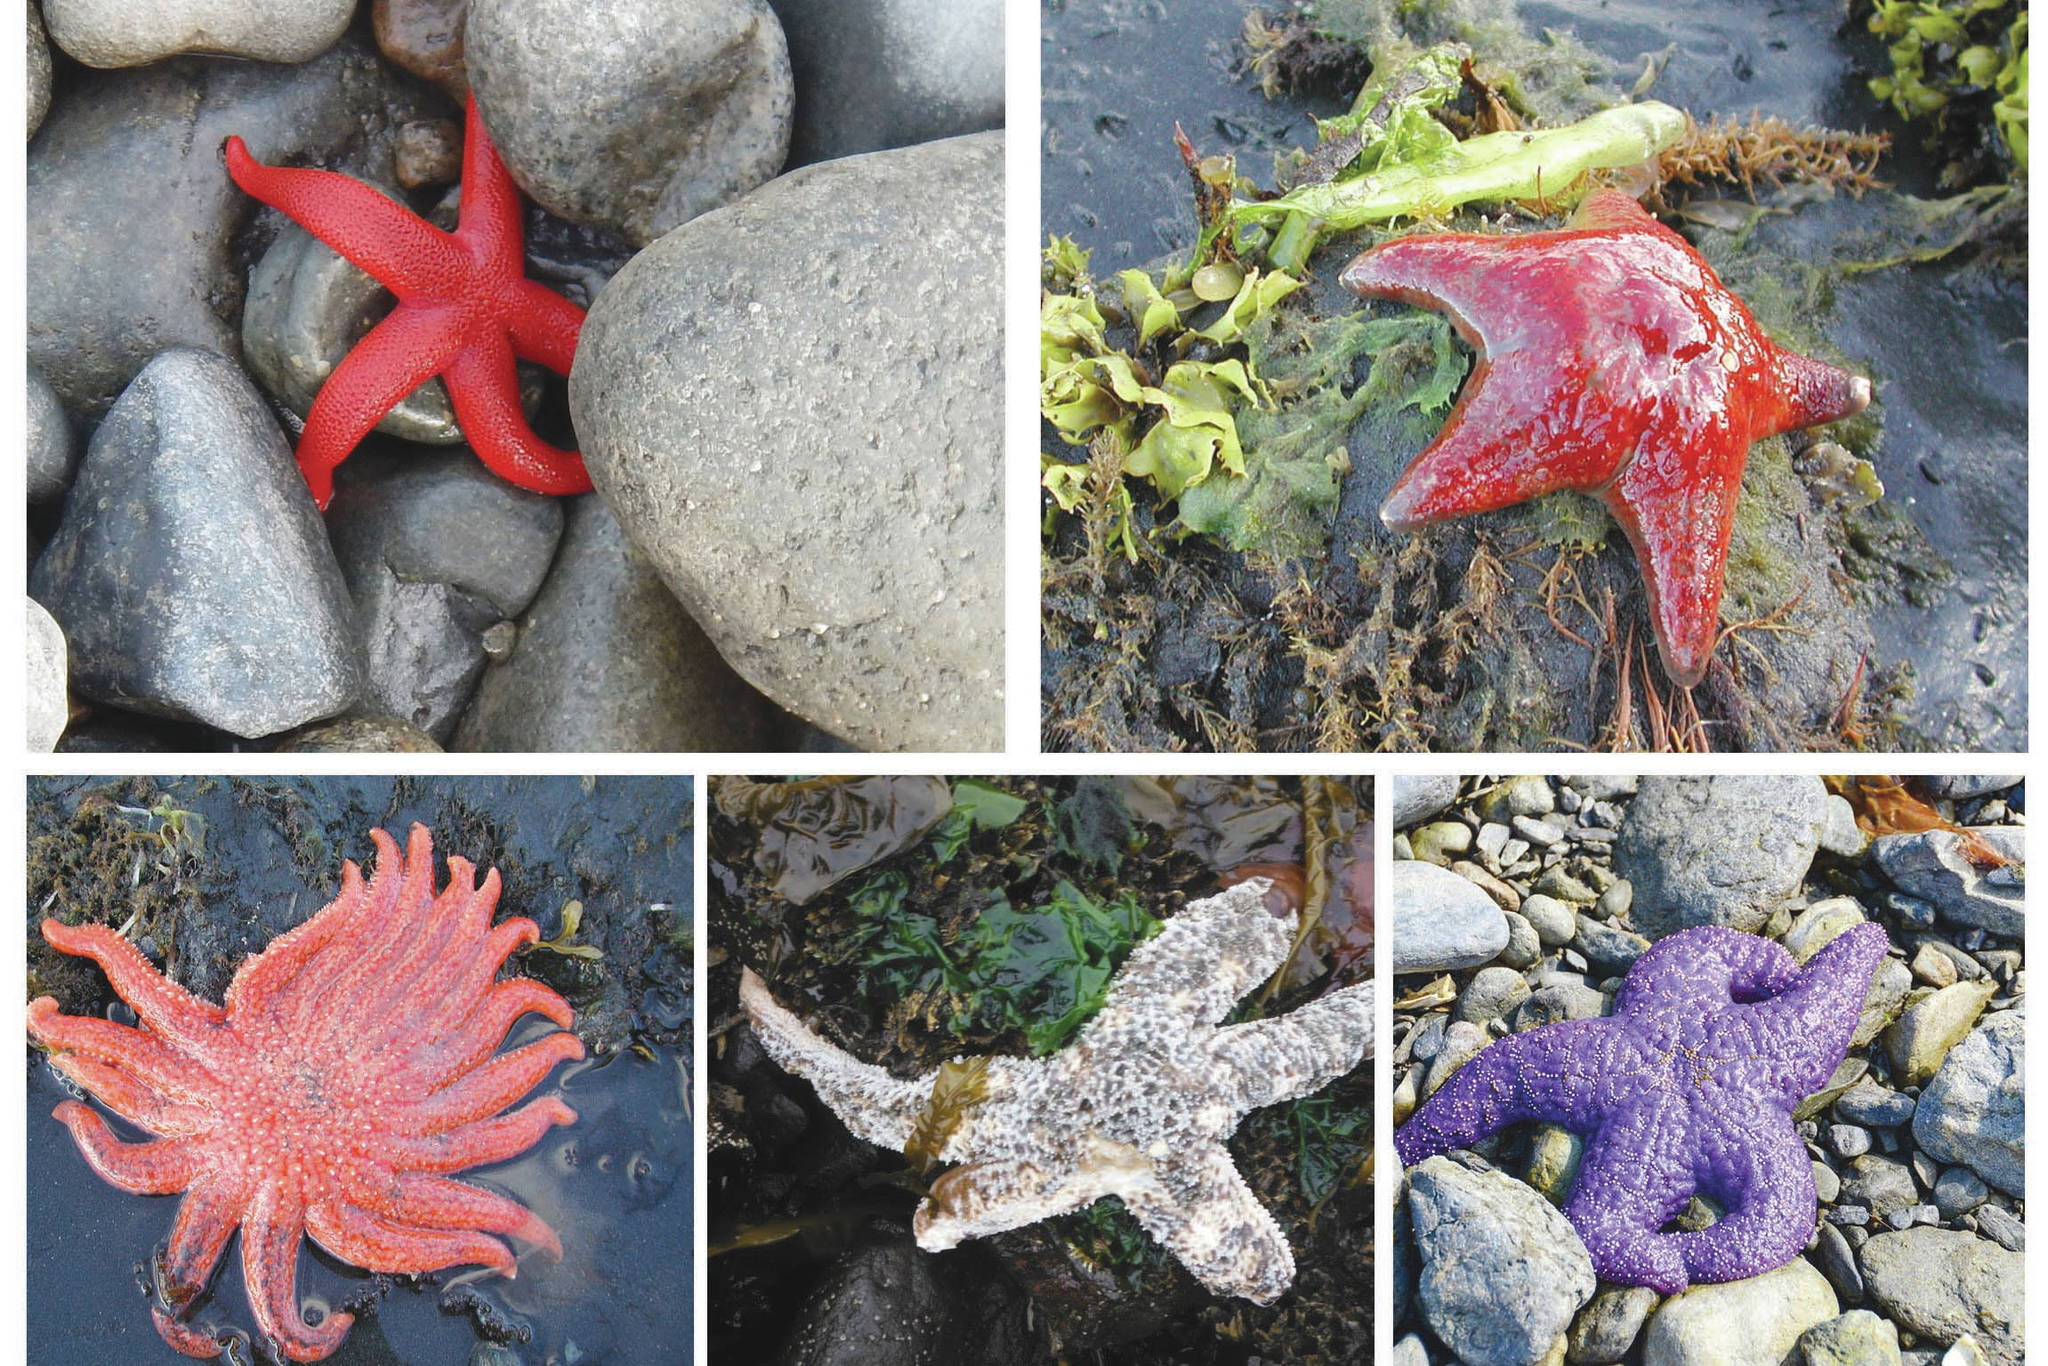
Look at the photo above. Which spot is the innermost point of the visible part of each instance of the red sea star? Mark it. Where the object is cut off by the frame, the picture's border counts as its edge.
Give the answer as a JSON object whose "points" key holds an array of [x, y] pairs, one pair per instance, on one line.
{"points": [[1611, 360], [465, 310], [351, 1066]]}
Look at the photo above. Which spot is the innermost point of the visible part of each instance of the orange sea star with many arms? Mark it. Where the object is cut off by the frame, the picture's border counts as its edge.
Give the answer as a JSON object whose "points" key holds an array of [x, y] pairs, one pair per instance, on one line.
{"points": [[349, 1070]]}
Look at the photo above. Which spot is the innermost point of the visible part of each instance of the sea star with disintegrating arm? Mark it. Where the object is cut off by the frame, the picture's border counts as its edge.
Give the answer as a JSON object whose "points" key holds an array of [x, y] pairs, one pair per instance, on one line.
{"points": [[465, 311], [1688, 1088], [1139, 1106], [1612, 360], [350, 1070]]}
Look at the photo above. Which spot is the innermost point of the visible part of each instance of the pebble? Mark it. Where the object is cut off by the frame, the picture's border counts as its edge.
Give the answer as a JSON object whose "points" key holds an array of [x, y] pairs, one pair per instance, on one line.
{"points": [[1555, 922], [1565, 887], [873, 74], [632, 115], [360, 735], [1958, 1190], [1607, 1327], [1563, 1001], [1615, 902], [1504, 896], [1410, 1351], [1930, 864], [1827, 1187], [1418, 796], [1523, 947], [1839, 833], [1440, 842], [1889, 988], [1462, 1043], [1813, 928], [1501, 1272], [1959, 788], [1491, 994], [1838, 1262], [1603, 787], [1540, 834], [1491, 841], [1974, 1111], [1965, 1352], [607, 661], [51, 449], [814, 473], [1554, 1156], [1934, 967], [1931, 1026], [1879, 1183], [38, 71], [111, 33], [1610, 949], [1857, 1338], [425, 38], [191, 572], [1870, 1104], [1913, 1214], [1848, 1140], [1722, 850], [1754, 1322], [1446, 922], [2003, 1227], [1941, 1283], [45, 680]]}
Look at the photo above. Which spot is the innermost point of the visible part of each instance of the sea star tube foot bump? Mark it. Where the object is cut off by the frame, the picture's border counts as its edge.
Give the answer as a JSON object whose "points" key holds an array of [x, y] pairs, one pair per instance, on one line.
{"points": [[350, 1069], [1140, 1105], [1687, 1088]]}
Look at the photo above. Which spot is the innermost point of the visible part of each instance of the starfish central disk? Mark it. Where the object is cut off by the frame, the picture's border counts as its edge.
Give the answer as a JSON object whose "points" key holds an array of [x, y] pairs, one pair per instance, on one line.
{"points": [[1612, 360], [350, 1071], [1687, 1089], [466, 312], [1140, 1105]]}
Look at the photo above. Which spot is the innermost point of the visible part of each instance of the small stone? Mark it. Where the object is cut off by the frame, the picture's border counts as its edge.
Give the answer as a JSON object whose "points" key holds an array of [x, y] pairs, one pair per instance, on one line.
{"points": [[1554, 1155], [111, 33], [1565, 887], [1417, 797], [1462, 1043], [1720, 850], [1607, 1327], [1914, 1214], [1613, 951], [1819, 923], [38, 71], [1934, 967], [1445, 922], [1847, 1075], [1540, 834], [1955, 788], [1551, 1004], [1491, 993], [1857, 1338], [1839, 833], [425, 38], [1930, 1027], [1754, 1322], [1931, 864], [1870, 1104], [1939, 1284], [1409, 1351], [1914, 912], [1974, 1111], [1616, 900], [360, 735], [429, 152], [1848, 1140], [1523, 947], [1838, 1262], [1965, 1352], [51, 450], [1492, 838], [1880, 1184], [1441, 842], [1827, 1187], [1555, 922], [1529, 795], [1603, 787], [1958, 1190], [2001, 1226], [1888, 991], [46, 680]]}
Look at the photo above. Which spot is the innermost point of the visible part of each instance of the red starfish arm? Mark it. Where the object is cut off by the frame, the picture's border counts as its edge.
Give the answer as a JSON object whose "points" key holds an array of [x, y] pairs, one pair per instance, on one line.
{"points": [[146, 1056], [401, 251], [489, 221], [1629, 1184], [261, 978], [393, 360], [443, 1054], [476, 1145], [437, 1202], [159, 1002], [1768, 1202], [483, 384], [304, 1010], [545, 327], [207, 1218], [161, 1166], [1814, 392], [135, 1100], [270, 1265], [379, 1244], [486, 1090], [1547, 1074]]}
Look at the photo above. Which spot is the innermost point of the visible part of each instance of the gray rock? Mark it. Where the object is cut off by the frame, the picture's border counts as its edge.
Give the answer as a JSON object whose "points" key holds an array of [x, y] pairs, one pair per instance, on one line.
{"points": [[132, 219], [1755, 1322], [360, 735], [1491, 841], [787, 405], [1827, 1187], [1880, 1184], [1934, 967], [1462, 1042], [1930, 864], [633, 115], [1838, 1262], [1555, 922], [190, 571], [52, 451], [1869, 1104], [878, 1305], [1616, 901], [1418, 796], [1818, 924], [45, 680], [1440, 842], [1551, 1004], [1957, 788], [1889, 988], [1849, 1140], [1541, 834], [1931, 1026], [1959, 1190], [1975, 1110], [1857, 1338], [2002, 1227], [38, 70], [608, 661], [1442, 921], [1611, 950], [108, 33], [436, 550], [1502, 1273], [1723, 850], [1940, 1283], [872, 74], [1839, 833], [1523, 947], [1603, 787], [1491, 993], [1914, 1214], [1607, 1327], [1409, 1351]]}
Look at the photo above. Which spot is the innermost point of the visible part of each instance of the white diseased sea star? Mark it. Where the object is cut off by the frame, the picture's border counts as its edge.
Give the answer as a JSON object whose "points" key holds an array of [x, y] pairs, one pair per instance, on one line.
{"points": [[349, 1071], [1140, 1106]]}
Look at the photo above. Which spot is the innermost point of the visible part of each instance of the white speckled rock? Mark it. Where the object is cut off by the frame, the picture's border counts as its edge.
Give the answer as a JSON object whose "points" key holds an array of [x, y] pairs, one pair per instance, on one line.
{"points": [[1419, 796], [46, 678], [1975, 1110], [1442, 921], [1725, 849], [1756, 1322], [108, 33]]}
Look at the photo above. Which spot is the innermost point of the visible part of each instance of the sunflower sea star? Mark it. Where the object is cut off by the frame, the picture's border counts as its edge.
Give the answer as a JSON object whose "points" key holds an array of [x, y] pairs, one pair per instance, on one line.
{"points": [[465, 310], [349, 1069], [1139, 1106], [1611, 360], [1687, 1088]]}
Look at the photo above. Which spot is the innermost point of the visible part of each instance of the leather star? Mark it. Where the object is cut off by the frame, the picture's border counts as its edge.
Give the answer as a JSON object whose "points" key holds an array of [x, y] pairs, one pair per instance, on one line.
{"points": [[465, 311], [1612, 360], [1688, 1088]]}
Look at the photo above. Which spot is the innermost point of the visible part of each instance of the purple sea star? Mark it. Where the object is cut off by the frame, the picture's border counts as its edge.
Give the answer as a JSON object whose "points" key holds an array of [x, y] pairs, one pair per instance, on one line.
{"points": [[1688, 1088]]}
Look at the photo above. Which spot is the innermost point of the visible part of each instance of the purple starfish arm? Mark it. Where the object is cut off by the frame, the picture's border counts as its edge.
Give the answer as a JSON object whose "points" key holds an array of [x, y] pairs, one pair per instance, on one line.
{"points": [[1727, 963], [1803, 1032], [1552, 1073]]}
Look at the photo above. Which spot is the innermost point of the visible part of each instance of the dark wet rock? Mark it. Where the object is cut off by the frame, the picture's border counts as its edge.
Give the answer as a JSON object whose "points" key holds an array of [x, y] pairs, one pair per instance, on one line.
{"points": [[190, 571], [1837, 1262], [1959, 788], [607, 660], [878, 1306], [789, 404], [45, 680], [1607, 1327], [38, 70], [436, 550], [1446, 922], [1876, 1106], [1754, 1322], [1502, 1273], [1941, 1283], [425, 38], [131, 215], [872, 74], [1417, 797], [1930, 864], [361, 735], [635, 115], [107, 33], [1857, 1338], [1724, 850], [52, 450], [1974, 1111]]}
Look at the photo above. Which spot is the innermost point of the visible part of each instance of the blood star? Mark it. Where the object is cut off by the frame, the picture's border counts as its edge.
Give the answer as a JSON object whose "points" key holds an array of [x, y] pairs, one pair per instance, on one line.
{"points": [[351, 1066], [1139, 1106], [1612, 360], [1688, 1088], [465, 311]]}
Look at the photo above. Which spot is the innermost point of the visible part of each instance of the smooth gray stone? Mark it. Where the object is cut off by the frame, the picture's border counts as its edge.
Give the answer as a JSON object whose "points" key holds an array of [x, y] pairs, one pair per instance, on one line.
{"points": [[1959, 1190], [1754, 1322], [1880, 1184], [1941, 1283], [108, 33], [1418, 796], [1875, 1106], [1718, 850], [608, 661], [52, 450], [2003, 1227], [190, 570], [1958, 788], [38, 70], [1442, 922], [1612, 951], [45, 680], [1930, 864], [633, 115], [1857, 1338], [787, 403], [1607, 1327], [1975, 1110], [872, 74]]}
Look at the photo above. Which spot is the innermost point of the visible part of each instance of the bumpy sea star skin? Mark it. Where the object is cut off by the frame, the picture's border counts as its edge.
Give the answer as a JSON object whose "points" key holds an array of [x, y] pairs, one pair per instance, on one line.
{"points": [[1139, 1106], [465, 311], [350, 1070], [1612, 360], [1688, 1088]]}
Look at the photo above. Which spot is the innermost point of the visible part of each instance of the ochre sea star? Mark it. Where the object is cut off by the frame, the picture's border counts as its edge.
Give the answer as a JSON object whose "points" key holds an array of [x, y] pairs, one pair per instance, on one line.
{"points": [[1612, 360], [349, 1070], [1687, 1088], [465, 311], [1140, 1106]]}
